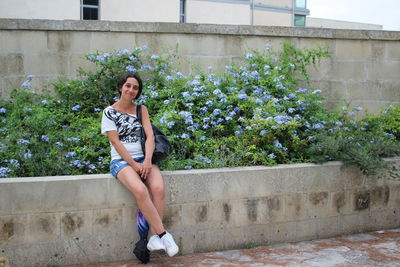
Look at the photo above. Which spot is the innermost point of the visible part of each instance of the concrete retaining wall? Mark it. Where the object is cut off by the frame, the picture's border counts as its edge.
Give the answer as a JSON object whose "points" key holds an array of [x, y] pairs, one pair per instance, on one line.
{"points": [[54, 221], [364, 67]]}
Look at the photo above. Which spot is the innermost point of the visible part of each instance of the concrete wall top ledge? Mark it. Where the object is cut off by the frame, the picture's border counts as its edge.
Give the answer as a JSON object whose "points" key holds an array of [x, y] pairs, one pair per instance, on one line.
{"points": [[179, 172], [170, 173], [190, 28]]}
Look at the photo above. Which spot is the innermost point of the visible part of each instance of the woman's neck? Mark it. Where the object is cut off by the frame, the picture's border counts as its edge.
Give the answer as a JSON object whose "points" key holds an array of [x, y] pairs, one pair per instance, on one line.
{"points": [[125, 106]]}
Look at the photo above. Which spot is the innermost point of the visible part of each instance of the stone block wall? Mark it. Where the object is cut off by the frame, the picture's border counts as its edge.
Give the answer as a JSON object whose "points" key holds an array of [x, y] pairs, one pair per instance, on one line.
{"points": [[55, 221], [364, 67]]}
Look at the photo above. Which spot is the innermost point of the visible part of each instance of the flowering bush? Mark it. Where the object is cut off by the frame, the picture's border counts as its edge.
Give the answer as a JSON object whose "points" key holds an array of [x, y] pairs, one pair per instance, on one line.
{"points": [[255, 113], [362, 143]]}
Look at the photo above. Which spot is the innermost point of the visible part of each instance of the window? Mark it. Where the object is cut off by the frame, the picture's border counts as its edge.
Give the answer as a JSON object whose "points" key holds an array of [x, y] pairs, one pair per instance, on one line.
{"points": [[300, 20], [90, 9], [301, 3], [182, 11]]}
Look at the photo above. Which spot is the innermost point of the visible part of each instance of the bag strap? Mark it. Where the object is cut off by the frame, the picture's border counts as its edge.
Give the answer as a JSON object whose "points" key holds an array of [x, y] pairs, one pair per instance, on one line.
{"points": [[139, 112]]}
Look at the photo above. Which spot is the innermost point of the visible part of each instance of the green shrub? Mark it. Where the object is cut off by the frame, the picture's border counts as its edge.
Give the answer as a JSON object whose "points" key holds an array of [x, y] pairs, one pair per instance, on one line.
{"points": [[363, 143], [254, 113]]}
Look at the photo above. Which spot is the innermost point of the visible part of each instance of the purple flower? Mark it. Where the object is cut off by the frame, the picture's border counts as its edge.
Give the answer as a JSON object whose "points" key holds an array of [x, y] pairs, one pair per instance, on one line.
{"points": [[76, 108], [238, 132], [216, 111], [147, 67], [249, 56], [210, 103], [203, 110], [14, 163], [194, 83], [27, 154], [22, 141], [124, 52], [130, 68], [184, 135], [4, 171], [205, 159], [242, 96], [301, 90], [217, 92], [100, 58], [76, 163], [318, 126], [45, 138], [277, 144], [26, 84], [70, 155]]}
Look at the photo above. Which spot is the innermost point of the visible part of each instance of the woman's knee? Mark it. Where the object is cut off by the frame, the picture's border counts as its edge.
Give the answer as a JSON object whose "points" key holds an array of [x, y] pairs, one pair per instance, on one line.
{"points": [[156, 184], [157, 190], [141, 193]]}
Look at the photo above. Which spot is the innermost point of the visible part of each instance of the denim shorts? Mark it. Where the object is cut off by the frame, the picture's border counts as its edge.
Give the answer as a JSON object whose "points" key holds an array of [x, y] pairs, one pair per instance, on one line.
{"points": [[118, 164]]}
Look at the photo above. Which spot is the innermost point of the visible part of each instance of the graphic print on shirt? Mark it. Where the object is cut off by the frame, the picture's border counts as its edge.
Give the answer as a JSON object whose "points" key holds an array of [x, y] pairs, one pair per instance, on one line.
{"points": [[128, 126]]}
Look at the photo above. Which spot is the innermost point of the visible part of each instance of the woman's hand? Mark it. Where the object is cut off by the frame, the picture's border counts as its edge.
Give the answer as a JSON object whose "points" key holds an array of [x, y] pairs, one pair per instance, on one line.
{"points": [[138, 168], [146, 168]]}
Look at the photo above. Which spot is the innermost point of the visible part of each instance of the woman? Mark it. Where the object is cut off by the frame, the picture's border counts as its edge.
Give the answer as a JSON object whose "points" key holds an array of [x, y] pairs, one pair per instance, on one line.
{"points": [[128, 163]]}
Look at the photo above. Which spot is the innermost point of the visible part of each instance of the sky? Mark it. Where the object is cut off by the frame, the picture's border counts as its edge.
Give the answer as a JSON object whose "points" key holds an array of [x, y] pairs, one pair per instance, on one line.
{"points": [[382, 12]]}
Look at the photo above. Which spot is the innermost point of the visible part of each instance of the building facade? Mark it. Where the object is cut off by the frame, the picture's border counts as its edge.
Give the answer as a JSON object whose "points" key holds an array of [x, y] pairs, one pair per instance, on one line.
{"points": [[237, 12], [234, 12]]}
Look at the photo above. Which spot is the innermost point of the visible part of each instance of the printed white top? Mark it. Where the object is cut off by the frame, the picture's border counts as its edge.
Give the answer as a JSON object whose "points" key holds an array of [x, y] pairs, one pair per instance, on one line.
{"points": [[128, 128]]}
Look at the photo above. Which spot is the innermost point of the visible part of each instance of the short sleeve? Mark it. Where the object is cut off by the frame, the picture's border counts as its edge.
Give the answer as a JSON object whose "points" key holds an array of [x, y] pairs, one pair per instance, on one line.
{"points": [[107, 123]]}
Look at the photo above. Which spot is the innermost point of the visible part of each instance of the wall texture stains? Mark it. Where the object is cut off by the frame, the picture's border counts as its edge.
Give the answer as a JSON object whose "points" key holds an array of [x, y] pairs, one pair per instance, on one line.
{"points": [[323, 201]]}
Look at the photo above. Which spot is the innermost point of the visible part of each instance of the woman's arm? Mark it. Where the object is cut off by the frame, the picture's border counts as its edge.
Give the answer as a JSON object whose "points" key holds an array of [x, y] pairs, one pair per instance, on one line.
{"points": [[114, 140], [149, 145]]}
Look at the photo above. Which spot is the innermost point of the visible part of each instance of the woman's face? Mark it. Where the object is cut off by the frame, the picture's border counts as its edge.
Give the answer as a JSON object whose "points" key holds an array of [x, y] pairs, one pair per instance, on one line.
{"points": [[130, 88]]}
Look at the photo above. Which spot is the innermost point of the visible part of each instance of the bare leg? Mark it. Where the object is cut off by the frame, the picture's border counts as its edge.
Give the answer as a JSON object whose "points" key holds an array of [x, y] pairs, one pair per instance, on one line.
{"points": [[155, 184], [131, 180]]}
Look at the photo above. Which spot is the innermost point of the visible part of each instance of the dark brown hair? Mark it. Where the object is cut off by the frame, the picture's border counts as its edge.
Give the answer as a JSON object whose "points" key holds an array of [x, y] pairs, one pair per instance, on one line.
{"points": [[125, 77]]}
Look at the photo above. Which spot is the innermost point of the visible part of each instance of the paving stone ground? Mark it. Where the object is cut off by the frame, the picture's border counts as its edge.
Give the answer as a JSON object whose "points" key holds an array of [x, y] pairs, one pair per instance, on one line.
{"points": [[373, 249]]}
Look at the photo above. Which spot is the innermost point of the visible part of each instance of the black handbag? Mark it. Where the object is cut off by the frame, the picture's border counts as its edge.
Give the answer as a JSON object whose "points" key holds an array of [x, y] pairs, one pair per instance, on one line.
{"points": [[162, 145], [141, 252]]}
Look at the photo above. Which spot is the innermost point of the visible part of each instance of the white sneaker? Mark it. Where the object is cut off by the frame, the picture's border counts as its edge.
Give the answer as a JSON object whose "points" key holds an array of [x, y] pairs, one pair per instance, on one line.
{"points": [[155, 243], [169, 244]]}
